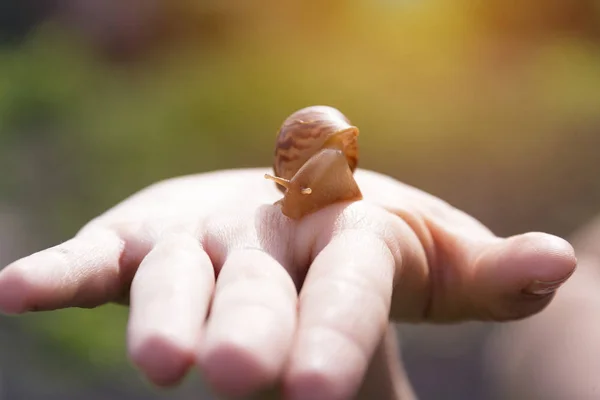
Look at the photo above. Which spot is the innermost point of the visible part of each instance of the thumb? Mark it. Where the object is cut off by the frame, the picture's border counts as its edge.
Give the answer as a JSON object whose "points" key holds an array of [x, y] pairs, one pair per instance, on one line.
{"points": [[518, 276], [472, 273], [490, 278]]}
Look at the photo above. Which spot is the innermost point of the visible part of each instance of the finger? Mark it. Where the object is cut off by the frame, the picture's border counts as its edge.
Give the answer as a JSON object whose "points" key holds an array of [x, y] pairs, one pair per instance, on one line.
{"points": [[85, 271], [169, 300], [251, 324], [518, 276], [479, 275], [344, 308], [473, 273]]}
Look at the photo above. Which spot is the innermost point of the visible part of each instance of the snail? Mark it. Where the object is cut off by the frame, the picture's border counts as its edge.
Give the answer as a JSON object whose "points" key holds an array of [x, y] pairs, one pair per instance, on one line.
{"points": [[316, 154]]}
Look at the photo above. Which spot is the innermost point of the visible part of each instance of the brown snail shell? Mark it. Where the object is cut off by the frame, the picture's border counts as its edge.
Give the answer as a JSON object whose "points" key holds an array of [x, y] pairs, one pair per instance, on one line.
{"points": [[316, 154]]}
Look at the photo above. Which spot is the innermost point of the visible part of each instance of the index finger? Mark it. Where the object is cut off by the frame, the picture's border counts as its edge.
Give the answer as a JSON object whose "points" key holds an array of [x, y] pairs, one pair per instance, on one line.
{"points": [[344, 307]]}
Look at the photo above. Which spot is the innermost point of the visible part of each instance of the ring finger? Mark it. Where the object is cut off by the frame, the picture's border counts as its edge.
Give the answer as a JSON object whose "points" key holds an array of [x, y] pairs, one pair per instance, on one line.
{"points": [[169, 300]]}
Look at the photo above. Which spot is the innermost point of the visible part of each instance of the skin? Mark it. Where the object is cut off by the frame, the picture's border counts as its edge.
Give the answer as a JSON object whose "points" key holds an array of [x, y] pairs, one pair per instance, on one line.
{"points": [[215, 242], [555, 354]]}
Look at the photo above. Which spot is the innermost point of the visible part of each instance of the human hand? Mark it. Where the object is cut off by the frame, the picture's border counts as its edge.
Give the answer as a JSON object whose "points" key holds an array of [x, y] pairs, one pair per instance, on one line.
{"points": [[212, 270], [555, 354]]}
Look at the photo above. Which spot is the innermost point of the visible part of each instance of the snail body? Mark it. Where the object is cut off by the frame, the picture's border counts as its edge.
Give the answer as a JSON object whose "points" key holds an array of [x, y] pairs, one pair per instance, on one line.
{"points": [[316, 154]]}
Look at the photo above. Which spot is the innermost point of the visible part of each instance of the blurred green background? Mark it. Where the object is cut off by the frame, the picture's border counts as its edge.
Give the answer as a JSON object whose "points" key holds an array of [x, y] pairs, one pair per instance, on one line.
{"points": [[492, 105]]}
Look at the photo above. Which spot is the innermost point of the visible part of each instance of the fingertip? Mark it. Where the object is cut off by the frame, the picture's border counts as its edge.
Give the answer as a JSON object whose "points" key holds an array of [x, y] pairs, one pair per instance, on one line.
{"points": [[547, 258], [325, 364], [310, 384], [13, 288], [163, 360], [518, 276], [233, 370], [76, 273]]}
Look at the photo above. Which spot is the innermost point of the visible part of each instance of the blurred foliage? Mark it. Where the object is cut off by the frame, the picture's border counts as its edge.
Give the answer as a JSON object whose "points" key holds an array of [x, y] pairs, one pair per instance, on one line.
{"points": [[77, 339], [455, 97]]}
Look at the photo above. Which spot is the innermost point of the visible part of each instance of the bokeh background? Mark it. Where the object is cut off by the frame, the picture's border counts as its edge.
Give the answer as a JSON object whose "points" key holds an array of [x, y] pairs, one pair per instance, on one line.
{"points": [[492, 105]]}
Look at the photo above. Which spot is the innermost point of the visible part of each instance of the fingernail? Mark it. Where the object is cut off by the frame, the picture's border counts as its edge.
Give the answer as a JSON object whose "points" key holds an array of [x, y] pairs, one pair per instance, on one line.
{"points": [[543, 288]]}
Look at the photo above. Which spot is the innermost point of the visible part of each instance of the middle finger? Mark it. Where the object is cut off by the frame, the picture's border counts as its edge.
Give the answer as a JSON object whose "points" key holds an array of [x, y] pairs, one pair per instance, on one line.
{"points": [[251, 325]]}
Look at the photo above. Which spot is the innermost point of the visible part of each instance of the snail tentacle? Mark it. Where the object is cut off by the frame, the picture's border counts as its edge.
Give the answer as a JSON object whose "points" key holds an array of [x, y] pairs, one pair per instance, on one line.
{"points": [[283, 182]]}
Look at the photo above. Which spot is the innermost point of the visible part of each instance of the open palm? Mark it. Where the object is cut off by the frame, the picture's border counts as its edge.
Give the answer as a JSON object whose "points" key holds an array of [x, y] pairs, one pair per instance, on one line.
{"points": [[216, 275]]}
